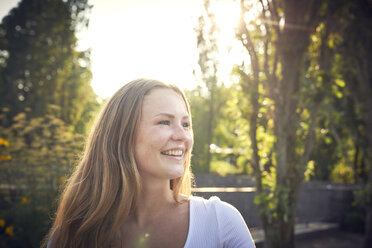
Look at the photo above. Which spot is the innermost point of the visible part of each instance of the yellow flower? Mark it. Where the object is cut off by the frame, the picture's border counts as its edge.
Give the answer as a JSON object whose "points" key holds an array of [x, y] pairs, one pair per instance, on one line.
{"points": [[25, 200], [2, 222], [5, 157], [9, 230], [3, 142]]}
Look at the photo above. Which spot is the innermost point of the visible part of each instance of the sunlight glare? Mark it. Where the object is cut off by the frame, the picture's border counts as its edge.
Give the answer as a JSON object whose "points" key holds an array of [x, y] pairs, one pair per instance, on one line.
{"points": [[227, 15], [141, 39]]}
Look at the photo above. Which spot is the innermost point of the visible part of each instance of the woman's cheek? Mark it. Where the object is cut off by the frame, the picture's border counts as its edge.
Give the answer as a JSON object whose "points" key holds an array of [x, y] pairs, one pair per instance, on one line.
{"points": [[191, 140]]}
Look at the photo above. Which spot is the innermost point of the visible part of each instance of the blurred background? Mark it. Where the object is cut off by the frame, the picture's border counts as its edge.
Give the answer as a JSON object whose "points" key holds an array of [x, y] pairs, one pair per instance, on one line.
{"points": [[280, 92]]}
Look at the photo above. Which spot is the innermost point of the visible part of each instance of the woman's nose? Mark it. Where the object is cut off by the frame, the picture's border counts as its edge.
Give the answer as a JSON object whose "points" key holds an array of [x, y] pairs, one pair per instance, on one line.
{"points": [[180, 133]]}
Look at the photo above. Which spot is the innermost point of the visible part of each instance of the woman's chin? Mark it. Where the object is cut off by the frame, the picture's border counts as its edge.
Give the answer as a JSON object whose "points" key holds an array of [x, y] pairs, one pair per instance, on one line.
{"points": [[177, 173]]}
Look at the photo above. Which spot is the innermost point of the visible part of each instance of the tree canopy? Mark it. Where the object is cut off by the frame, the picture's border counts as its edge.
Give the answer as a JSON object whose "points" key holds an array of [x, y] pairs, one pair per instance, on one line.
{"points": [[40, 66], [46, 103]]}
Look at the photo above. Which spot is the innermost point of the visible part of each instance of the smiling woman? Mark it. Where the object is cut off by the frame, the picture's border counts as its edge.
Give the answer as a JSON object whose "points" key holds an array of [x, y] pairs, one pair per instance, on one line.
{"points": [[132, 187], [164, 135]]}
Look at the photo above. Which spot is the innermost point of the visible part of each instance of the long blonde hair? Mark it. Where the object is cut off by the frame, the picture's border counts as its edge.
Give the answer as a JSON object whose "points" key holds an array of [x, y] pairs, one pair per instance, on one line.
{"points": [[105, 185]]}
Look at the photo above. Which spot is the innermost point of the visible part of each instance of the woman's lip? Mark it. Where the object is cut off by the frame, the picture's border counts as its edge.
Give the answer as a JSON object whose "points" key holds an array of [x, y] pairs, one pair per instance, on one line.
{"points": [[174, 157]]}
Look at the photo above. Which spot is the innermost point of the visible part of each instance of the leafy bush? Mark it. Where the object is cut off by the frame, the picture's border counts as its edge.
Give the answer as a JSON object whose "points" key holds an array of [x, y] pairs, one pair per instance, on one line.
{"points": [[37, 155], [342, 174], [223, 168]]}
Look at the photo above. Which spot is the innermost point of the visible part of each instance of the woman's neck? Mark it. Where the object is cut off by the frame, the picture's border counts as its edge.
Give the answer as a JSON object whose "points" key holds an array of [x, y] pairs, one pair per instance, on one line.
{"points": [[154, 200]]}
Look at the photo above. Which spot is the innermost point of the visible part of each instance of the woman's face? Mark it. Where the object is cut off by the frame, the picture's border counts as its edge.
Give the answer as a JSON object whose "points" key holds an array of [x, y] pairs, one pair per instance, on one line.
{"points": [[163, 137]]}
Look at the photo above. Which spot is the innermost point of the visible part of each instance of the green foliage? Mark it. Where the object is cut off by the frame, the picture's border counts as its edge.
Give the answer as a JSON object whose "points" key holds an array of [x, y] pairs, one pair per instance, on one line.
{"points": [[230, 133], [30, 225], [324, 155], [269, 179], [309, 170], [223, 126], [42, 151], [46, 103], [273, 201], [362, 196], [265, 200], [39, 63], [198, 110], [303, 97], [274, 204], [341, 139], [223, 168], [206, 33], [342, 173]]}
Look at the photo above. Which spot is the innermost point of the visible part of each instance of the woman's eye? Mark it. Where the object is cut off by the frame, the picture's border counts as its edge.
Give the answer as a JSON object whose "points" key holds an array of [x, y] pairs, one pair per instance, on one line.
{"points": [[186, 125], [164, 122]]}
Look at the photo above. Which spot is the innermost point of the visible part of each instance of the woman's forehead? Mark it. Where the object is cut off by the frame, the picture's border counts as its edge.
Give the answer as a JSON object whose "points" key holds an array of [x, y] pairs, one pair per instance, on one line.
{"points": [[164, 100]]}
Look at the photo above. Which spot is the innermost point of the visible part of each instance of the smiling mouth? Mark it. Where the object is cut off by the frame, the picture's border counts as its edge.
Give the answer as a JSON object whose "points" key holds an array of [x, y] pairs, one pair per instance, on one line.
{"points": [[174, 153]]}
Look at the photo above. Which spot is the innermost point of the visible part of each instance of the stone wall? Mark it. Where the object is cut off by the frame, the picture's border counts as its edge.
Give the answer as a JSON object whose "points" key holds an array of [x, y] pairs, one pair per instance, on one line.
{"points": [[318, 201]]}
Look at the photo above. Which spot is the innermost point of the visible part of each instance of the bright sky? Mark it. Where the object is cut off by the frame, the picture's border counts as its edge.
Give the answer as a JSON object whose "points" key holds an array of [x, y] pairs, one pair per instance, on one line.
{"points": [[152, 39]]}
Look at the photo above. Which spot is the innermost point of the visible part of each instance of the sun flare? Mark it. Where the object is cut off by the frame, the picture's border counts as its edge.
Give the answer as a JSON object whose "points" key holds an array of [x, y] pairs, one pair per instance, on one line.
{"points": [[143, 39], [227, 15]]}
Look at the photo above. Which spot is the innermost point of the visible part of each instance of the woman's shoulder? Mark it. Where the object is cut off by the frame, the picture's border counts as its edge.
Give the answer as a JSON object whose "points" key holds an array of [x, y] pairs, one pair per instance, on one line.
{"points": [[202, 200], [213, 203], [225, 218], [205, 210], [214, 207]]}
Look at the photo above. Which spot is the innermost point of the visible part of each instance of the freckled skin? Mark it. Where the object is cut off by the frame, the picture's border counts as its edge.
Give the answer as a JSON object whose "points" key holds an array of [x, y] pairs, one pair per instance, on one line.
{"points": [[164, 125]]}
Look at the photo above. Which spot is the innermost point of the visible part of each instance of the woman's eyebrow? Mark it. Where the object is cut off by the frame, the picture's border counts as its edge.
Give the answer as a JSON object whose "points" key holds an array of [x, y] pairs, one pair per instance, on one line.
{"points": [[171, 115]]}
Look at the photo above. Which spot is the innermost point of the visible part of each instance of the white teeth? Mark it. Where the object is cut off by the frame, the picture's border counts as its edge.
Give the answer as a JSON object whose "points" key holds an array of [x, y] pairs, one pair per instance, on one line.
{"points": [[173, 152]]}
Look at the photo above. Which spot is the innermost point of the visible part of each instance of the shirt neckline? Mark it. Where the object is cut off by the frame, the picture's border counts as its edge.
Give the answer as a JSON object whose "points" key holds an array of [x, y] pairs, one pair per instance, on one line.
{"points": [[191, 221]]}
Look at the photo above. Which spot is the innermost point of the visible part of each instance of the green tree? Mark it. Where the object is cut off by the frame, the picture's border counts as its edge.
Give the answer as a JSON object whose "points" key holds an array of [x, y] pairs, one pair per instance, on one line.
{"points": [[40, 65], [302, 106], [224, 132], [278, 44], [207, 36]]}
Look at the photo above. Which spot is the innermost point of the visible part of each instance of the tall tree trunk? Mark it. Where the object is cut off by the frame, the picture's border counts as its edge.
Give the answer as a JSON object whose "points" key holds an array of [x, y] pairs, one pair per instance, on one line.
{"points": [[292, 46], [289, 48], [251, 88]]}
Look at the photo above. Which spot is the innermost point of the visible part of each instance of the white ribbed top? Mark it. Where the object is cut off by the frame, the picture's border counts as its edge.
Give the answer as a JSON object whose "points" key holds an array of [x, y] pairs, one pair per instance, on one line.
{"points": [[214, 223]]}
